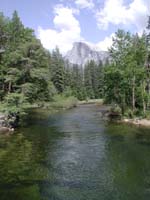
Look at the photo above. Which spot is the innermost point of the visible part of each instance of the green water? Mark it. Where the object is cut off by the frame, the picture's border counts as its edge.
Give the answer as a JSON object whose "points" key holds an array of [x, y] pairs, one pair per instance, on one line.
{"points": [[74, 155]]}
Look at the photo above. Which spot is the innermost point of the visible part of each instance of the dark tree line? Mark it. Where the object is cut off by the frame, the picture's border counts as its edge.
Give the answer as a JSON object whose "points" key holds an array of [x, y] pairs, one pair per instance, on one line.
{"points": [[30, 74], [24, 65], [127, 78]]}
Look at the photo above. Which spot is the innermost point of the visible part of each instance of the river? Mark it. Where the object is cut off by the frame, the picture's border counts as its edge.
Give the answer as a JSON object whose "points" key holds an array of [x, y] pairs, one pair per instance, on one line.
{"points": [[75, 155]]}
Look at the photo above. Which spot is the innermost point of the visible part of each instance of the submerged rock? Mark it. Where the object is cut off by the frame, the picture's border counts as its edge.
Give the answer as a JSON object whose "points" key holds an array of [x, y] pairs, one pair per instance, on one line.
{"points": [[8, 122], [2, 116], [6, 130]]}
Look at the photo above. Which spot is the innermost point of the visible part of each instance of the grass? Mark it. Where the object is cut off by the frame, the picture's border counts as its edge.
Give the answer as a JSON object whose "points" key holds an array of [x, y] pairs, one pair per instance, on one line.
{"points": [[92, 101], [62, 102]]}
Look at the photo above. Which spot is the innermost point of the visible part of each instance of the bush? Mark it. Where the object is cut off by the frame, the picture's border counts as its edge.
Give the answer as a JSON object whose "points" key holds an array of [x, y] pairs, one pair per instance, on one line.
{"points": [[67, 92], [129, 113], [14, 103], [147, 115], [115, 109], [61, 101]]}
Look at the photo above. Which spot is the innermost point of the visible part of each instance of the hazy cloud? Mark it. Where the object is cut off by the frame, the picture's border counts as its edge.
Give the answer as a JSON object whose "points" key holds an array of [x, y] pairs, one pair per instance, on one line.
{"points": [[117, 12], [84, 4], [67, 30]]}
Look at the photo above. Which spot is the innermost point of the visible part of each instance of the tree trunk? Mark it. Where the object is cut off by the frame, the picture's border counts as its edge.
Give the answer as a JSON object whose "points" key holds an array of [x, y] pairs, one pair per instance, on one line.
{"points": [[143, 100], [133, 93], [148, 90], [9, 87], [123, 105], [3, 87], [148, 78]]}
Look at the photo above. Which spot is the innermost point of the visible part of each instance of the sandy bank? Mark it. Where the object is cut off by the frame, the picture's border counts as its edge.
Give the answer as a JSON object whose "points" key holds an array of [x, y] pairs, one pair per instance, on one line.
{"points": [[138, 122]]}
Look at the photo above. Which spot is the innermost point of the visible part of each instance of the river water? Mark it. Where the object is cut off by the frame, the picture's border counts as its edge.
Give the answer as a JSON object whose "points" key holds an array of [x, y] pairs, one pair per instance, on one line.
{"points": [[75, 155]]}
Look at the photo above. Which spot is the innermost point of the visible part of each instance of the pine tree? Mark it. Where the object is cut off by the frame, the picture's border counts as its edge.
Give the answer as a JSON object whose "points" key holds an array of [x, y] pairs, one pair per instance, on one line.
{"points": [[58, 71], [88, 81], [77, 84], [24, 65], [147, 63]]}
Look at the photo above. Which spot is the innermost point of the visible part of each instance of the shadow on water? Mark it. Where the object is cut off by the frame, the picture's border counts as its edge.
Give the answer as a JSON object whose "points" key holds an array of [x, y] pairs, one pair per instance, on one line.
{"points": [[73, 155]]}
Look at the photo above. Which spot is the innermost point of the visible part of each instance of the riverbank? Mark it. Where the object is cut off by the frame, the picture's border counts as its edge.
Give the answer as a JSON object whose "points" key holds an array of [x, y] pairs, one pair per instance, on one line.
{"points": [[90, 152], [137, 122], [5, 125], [62, 102], [9, 120], [107, 114], [91, 101]]}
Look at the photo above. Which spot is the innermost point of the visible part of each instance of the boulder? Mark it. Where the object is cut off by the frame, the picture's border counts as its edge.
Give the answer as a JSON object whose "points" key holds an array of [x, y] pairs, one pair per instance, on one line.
{"points": [[6, 130], [2, 116]]}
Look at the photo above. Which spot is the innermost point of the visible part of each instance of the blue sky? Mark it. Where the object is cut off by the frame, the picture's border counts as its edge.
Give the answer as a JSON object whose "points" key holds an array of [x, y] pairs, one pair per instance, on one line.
{"points": [[63, 22]]}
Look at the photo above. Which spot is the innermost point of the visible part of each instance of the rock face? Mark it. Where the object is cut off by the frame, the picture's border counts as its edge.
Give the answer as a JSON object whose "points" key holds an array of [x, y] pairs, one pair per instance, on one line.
{"points": [[81, 53]]}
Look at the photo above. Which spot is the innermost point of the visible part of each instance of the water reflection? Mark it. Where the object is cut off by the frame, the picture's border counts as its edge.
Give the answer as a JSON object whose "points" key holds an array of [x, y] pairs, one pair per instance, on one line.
{"points": [[75, 155], [129, 162], [20, 173]]}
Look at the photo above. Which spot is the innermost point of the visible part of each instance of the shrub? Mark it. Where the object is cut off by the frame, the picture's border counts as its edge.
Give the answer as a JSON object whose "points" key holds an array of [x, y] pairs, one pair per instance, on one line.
{"points": [[147, 115], [115, 109], [129, 113]]}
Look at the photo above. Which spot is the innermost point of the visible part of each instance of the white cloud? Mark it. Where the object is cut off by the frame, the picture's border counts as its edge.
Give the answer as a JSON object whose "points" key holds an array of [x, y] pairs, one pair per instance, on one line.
{"points": [[116, 12], [102, 45], [106, 43], [84, 4], [67, 30]]}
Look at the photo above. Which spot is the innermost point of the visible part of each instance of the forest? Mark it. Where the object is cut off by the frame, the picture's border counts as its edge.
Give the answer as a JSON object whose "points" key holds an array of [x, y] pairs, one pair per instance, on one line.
{"points": [[31, 75]]}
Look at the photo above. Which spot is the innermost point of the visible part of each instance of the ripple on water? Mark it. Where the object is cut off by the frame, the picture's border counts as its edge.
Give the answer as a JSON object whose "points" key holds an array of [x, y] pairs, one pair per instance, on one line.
{"points": [[74, 155]]}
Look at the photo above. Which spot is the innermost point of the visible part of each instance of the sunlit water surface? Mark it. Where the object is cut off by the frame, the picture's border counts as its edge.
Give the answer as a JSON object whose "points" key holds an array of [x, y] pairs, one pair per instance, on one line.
{"points": [[75, 155]]}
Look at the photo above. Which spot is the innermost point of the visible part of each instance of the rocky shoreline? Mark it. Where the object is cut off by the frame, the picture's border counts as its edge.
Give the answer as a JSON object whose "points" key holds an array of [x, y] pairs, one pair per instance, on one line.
{"points": [[112, 116], [7, 123], [137, 122]]}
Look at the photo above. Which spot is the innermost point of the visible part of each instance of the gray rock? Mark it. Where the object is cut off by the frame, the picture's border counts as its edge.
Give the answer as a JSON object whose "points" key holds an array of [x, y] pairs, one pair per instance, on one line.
{"points": [[6, 130], [81, 53], [2, 122], [2, 116]]}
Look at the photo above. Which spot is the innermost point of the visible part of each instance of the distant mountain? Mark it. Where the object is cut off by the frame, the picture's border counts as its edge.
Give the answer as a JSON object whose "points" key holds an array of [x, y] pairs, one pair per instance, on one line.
{"points": [[81, 53]]}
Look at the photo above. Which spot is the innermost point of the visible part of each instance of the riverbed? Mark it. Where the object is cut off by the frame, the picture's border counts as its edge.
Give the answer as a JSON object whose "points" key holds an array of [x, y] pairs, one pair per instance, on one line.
{"points": [[75, 155]]}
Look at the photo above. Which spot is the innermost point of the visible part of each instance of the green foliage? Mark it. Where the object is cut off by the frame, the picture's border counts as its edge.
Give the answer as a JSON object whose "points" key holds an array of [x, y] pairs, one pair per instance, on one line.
{"points": [[125, 79], [93, 80], [67, 92], [29, 74], [77, 84], [147, 115], [129, 113], [25, 76], [15, 103], [115, 109], [28, 71], [61, 101], [58, 71]]}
